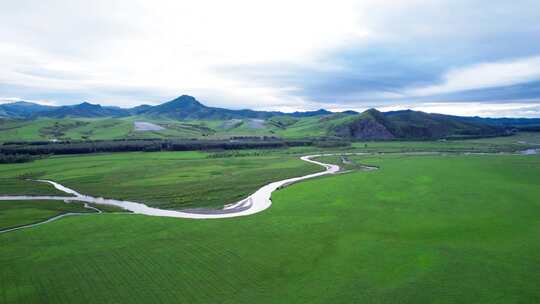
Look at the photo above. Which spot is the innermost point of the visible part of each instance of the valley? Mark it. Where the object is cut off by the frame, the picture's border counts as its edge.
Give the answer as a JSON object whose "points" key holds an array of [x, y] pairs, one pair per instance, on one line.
{"points": [[270, 152], [191, 197]]}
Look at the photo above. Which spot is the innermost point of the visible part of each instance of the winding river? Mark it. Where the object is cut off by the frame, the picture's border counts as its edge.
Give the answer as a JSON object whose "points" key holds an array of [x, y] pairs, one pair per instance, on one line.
{"points": [[256, 202]]}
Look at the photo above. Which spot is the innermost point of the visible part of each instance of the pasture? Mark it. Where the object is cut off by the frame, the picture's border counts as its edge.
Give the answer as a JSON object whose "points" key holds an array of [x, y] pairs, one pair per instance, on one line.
{"points": [[422, 229], [166, 179]]}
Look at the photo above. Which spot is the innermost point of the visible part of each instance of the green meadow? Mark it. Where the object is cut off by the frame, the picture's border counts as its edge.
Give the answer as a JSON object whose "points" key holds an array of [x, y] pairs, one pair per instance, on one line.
{"points": [[424, 228], [167, 179], [19, 213], [421, 229]]}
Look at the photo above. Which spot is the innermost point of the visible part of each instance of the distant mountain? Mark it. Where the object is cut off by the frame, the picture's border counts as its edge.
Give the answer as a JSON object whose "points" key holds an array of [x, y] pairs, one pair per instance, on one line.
{"points": [[84, 109], [182, 108], [515, 122], [408, 124], [369, 125], [139, 109], [22, 109], [310, 113], [187, 107]]}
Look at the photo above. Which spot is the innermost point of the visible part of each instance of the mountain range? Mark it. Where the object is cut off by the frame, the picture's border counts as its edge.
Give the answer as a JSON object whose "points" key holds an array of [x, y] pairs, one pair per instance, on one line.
{"points": [[368, 125], [184, 107]]}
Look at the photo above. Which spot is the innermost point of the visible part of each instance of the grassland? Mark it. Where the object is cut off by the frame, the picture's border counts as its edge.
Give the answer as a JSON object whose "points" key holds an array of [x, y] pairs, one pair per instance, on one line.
{"points": [[20, 213], [520, 141], [422, 229], [167, 179], [285, 127], [94, 129], [13, 184]]}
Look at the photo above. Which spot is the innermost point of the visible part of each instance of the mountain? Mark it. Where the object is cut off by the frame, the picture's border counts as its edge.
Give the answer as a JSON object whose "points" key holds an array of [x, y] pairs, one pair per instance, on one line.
{"points": [[84, 109], [368, 125], [188, 108], [182, 108], [409, 124], [22, 109], [139, 109], [514, 122], [310, 113]]}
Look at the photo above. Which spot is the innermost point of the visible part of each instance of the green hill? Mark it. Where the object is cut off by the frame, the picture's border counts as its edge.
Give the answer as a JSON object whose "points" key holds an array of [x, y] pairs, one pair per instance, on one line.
{"points": [[185, 117], [372, 124], [22, 109], [188, 108], [84, 109]]}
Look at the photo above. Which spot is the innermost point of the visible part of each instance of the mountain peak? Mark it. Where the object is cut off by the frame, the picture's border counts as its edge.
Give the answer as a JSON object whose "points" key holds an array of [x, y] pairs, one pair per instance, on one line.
{"points": [[187, 100], [318, 112], [322, 111], [22, 103], [372, 111], [87, 104]]}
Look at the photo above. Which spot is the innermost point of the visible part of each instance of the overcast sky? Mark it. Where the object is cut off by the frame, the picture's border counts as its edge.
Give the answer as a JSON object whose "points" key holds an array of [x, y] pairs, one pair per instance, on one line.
{"points": [[465, 57]]}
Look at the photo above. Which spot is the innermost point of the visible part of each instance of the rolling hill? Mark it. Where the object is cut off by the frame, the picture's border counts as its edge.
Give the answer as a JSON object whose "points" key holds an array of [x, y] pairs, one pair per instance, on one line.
{"points": [[408, 124], [186, 117], [84, 109], [188, 108], [22, 109]]}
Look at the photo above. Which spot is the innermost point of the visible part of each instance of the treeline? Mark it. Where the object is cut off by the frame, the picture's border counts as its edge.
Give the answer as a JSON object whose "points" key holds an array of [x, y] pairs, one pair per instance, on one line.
{"points": [[535, 128], [15, 158], [81, 147], [236, 153]]}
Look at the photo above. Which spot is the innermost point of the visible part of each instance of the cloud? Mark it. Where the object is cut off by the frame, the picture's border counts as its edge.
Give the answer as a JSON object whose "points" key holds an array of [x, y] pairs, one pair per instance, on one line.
{"points": [[167, 46], [270, 54], [484, 75]]}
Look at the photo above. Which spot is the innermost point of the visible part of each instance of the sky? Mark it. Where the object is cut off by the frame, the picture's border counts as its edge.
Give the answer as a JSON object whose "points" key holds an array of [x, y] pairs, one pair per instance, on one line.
{"points": [[464, 57]]}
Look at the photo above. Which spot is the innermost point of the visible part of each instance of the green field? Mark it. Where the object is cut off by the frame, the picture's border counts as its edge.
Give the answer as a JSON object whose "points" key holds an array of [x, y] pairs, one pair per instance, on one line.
{"points": [[520, 141], [18, 185], [24, 212], [19, 213], [116, 128], [422, 229], [167, 179]]}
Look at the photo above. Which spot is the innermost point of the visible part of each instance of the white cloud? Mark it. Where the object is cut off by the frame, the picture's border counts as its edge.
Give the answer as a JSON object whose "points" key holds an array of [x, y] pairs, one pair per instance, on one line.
{"points": [[126, 52], [484, 75], [169, 47]]}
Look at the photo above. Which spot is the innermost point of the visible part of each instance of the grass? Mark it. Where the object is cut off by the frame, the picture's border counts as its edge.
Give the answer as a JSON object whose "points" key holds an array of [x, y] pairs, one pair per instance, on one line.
{"points": [[118, 128], [17, 185], [88, 128], [286, 127], [517, 142], [422, 229], [96, 129], [24, 130], [67, 128], [20, 213], [314, 126], [166, 179]]}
